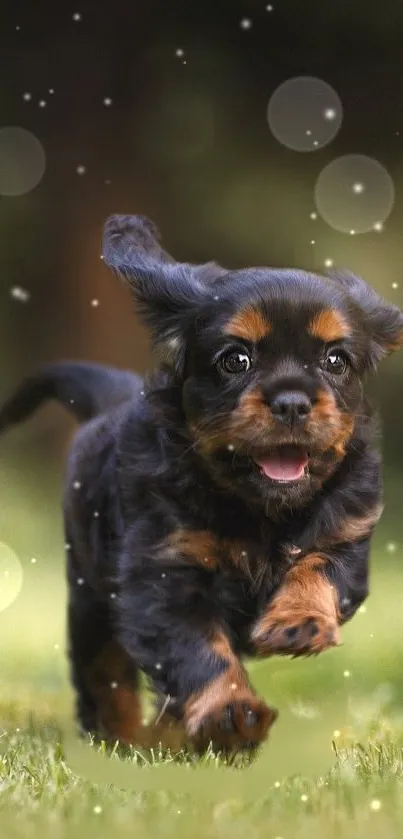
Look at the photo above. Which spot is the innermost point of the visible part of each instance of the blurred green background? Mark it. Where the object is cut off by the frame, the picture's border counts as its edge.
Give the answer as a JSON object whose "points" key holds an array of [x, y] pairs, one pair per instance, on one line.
{"points": [[185, 141]]}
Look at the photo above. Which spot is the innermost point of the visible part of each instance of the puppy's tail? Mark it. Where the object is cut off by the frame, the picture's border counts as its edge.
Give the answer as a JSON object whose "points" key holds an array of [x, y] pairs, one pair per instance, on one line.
{"points": [[85, 389]]}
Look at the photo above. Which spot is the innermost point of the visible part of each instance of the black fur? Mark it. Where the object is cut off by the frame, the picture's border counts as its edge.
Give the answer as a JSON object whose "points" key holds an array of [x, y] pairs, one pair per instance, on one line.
{"points": [[84, 389], [153, 459]]}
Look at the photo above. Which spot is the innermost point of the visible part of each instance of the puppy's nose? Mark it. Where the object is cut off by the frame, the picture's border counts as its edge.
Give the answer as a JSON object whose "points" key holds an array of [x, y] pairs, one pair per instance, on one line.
{"points": [[291, 407]]}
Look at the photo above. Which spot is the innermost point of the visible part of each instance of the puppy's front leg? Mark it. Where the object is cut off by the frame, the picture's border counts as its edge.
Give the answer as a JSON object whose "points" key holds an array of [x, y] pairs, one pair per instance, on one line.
{"points": [[169, 625], [225, 710], [318, 594]]}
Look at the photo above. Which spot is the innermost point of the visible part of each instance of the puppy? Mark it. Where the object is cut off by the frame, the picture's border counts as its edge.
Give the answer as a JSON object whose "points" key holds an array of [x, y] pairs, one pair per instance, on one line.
{"points": [[224, 507]]}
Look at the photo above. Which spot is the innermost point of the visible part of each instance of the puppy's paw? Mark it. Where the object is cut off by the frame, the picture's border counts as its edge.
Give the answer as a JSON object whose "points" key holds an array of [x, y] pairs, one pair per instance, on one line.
{"points": [[302, 618], [231, 726], [295, 633]]}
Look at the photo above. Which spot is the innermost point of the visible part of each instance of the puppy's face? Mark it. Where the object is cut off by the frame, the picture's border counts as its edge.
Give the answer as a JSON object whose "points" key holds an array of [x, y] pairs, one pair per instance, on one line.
{"points": [[270, 362], [272, 384]]}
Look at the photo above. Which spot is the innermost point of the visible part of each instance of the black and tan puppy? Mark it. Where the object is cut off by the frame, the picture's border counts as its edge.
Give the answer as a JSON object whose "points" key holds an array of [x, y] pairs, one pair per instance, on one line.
{"points": [[225, 507]]}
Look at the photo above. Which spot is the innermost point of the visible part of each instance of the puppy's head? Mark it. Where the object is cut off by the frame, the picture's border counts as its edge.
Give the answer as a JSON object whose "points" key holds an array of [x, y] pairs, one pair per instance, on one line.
{"points": [[270, 362]]}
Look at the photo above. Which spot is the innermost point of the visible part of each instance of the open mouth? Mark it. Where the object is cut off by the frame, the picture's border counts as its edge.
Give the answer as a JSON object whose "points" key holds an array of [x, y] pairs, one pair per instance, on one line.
{"points": [[284, 464]]}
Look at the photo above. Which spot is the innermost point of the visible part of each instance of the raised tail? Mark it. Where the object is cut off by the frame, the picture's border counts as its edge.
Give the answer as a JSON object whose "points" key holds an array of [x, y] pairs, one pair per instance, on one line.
{"points": [[85, 389]]}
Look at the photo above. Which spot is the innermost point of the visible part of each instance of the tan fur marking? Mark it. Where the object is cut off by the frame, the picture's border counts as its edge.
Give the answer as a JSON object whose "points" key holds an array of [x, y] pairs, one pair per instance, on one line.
{"points": [[251, 416], [395, 345], [346, 429], [329, 325], [207, 550], [251, 408], [339, 426], [201, 546], [249, 324], [119, 708]]}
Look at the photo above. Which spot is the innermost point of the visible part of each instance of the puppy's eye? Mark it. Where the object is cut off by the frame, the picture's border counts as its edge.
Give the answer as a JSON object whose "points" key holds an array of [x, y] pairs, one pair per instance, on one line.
{"points": [[235, 362], [336, 362]]}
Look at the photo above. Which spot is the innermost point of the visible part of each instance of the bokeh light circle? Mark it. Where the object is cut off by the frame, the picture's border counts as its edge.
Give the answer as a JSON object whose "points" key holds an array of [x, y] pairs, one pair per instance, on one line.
{"points": [[304, 113], [22, 161], [11, 576], [354, 194]]}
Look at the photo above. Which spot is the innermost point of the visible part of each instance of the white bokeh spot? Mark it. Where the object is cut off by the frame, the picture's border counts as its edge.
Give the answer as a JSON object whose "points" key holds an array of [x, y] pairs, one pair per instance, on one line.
{"points": [[20, 294], [354, 194], [304, 113]]}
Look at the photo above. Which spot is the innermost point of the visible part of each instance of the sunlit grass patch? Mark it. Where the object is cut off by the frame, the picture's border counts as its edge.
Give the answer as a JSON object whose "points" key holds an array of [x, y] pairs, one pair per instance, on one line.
{"points": [[362, 795]]}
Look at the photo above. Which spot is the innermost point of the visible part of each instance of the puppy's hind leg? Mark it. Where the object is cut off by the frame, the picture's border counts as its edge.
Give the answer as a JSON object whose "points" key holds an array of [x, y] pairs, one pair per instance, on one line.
{"points": [[104, 677]]}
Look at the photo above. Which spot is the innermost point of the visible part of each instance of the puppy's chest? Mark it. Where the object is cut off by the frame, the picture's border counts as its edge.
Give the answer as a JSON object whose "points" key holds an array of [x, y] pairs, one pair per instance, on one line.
{"points": [[254, 561]]}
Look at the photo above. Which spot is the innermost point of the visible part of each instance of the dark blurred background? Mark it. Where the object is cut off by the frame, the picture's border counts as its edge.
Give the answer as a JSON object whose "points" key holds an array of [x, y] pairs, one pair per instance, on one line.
{"points": [[185, 140], [160, 107]]}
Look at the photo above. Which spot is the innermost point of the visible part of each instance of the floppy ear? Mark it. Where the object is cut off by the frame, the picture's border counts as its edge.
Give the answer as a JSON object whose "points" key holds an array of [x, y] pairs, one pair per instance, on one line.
{"points": [[168, 294], [382, 321]]}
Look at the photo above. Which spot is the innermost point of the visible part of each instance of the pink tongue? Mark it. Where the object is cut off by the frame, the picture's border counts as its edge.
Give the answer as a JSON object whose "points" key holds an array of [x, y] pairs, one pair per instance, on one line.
{"points": [[284, 464]]}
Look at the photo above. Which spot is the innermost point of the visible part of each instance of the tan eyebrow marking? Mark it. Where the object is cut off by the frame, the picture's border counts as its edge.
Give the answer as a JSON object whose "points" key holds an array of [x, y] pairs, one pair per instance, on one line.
{"points": [[329, 325], [249, 324]]}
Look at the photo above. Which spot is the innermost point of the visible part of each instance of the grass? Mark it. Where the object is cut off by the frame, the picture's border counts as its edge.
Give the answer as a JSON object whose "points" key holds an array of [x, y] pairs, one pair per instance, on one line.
{"points": [[362, 795], [333, 767]]}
